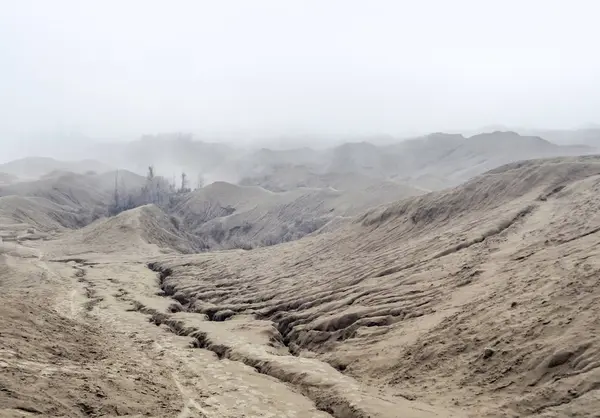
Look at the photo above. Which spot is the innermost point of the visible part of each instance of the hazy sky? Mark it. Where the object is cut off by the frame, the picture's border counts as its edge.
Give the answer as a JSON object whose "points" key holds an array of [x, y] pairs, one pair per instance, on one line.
{"points": [[111, 68]]}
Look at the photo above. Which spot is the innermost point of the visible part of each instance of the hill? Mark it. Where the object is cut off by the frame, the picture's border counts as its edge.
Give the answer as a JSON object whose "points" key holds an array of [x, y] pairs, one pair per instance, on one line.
{"points": [[476, 301], [35, 167], [414, 161], [220, 215], [483, 152], [224, 215], [441, 160], [290, 177], [589, 136], [432, 162], [143, 230], [25, 217], [7, 178], [86, 191], [480, 297], [62, 200]]}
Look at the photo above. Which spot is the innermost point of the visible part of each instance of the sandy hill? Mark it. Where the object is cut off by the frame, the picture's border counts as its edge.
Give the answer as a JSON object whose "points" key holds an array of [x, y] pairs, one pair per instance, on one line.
{"points": [[441, 160], [414, 154], [589, 136], [483, 152], [35, 167], [360, 157], [432, 162], [85, 191], [265, 158], [224, 215], [6, 178], [283, 177], [143, 230], [61, 200], [38, 213], [476, 301], [220, 215], [482, 298], [290, 177]]}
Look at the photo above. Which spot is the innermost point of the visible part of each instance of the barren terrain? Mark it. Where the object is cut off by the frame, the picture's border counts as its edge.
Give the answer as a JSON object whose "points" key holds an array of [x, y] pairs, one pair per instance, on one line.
{"points": [[476, 301]]}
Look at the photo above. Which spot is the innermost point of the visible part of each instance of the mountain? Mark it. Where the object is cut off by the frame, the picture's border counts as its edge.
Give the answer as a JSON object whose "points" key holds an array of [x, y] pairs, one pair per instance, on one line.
{"points": [[474, 301], [146, 229], [169, 154], [480, 298], [220, 215], [7, 178], [290, 177], [18, 214], [451, 160], [35, 167], [280, 195], [586, 136], [224, 215], [78, 190], [430, 162], [63, 200]]}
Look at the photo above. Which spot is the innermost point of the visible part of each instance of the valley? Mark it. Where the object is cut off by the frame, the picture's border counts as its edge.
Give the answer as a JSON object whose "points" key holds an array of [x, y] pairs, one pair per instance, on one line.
{"points": [[478, 300]]}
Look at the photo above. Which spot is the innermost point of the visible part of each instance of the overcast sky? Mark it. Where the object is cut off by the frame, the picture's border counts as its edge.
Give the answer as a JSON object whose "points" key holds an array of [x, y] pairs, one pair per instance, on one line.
{"points": [[114, 68]]}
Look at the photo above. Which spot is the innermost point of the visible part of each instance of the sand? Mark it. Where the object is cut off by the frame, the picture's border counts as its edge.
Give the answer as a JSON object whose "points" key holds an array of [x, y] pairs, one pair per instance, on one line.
{"points": [[476, 301]]}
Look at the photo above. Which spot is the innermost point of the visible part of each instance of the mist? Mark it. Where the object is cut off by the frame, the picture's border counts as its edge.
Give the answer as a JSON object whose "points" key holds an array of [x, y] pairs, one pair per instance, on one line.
{"points": [[240, 70]]}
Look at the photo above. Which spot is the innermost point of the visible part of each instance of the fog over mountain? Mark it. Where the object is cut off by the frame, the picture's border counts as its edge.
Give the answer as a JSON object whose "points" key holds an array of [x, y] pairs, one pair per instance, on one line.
{"points": [[267, 69]]}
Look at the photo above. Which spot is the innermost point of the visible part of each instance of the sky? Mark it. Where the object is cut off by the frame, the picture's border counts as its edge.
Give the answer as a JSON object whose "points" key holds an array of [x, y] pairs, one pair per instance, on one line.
{"points": [[274, 67]]}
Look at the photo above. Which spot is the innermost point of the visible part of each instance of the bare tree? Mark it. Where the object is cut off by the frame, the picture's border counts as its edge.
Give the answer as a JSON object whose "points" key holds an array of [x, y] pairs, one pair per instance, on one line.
{"points": [[149, 189], [183, 182], [156, 190], [200, 183], [116, 197]]}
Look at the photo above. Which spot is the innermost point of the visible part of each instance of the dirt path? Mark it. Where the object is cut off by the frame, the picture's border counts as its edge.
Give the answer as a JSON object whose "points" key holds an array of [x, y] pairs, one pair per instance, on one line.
{"points": [[207, 383], [207, 386], [69, 334], [149, 359]]}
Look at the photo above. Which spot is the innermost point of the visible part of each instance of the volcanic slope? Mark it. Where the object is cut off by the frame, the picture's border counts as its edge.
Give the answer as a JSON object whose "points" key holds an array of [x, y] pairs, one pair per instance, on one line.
{"points": [[144, 230], [218, 216], [85, 191], [62, 200], [481, 301], [87, 331], [7, 178], [432, 162], [483, 298], [223, 215], [34, 167]]}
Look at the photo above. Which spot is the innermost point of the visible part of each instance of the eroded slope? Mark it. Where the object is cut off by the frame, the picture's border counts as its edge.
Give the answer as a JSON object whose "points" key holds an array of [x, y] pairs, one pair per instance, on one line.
{"points": [[483, 297]]}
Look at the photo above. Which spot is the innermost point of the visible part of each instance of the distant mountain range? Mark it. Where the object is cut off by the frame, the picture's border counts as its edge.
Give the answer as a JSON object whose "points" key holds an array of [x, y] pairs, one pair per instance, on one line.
{"points": [[429, 162], [31, 168]]}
